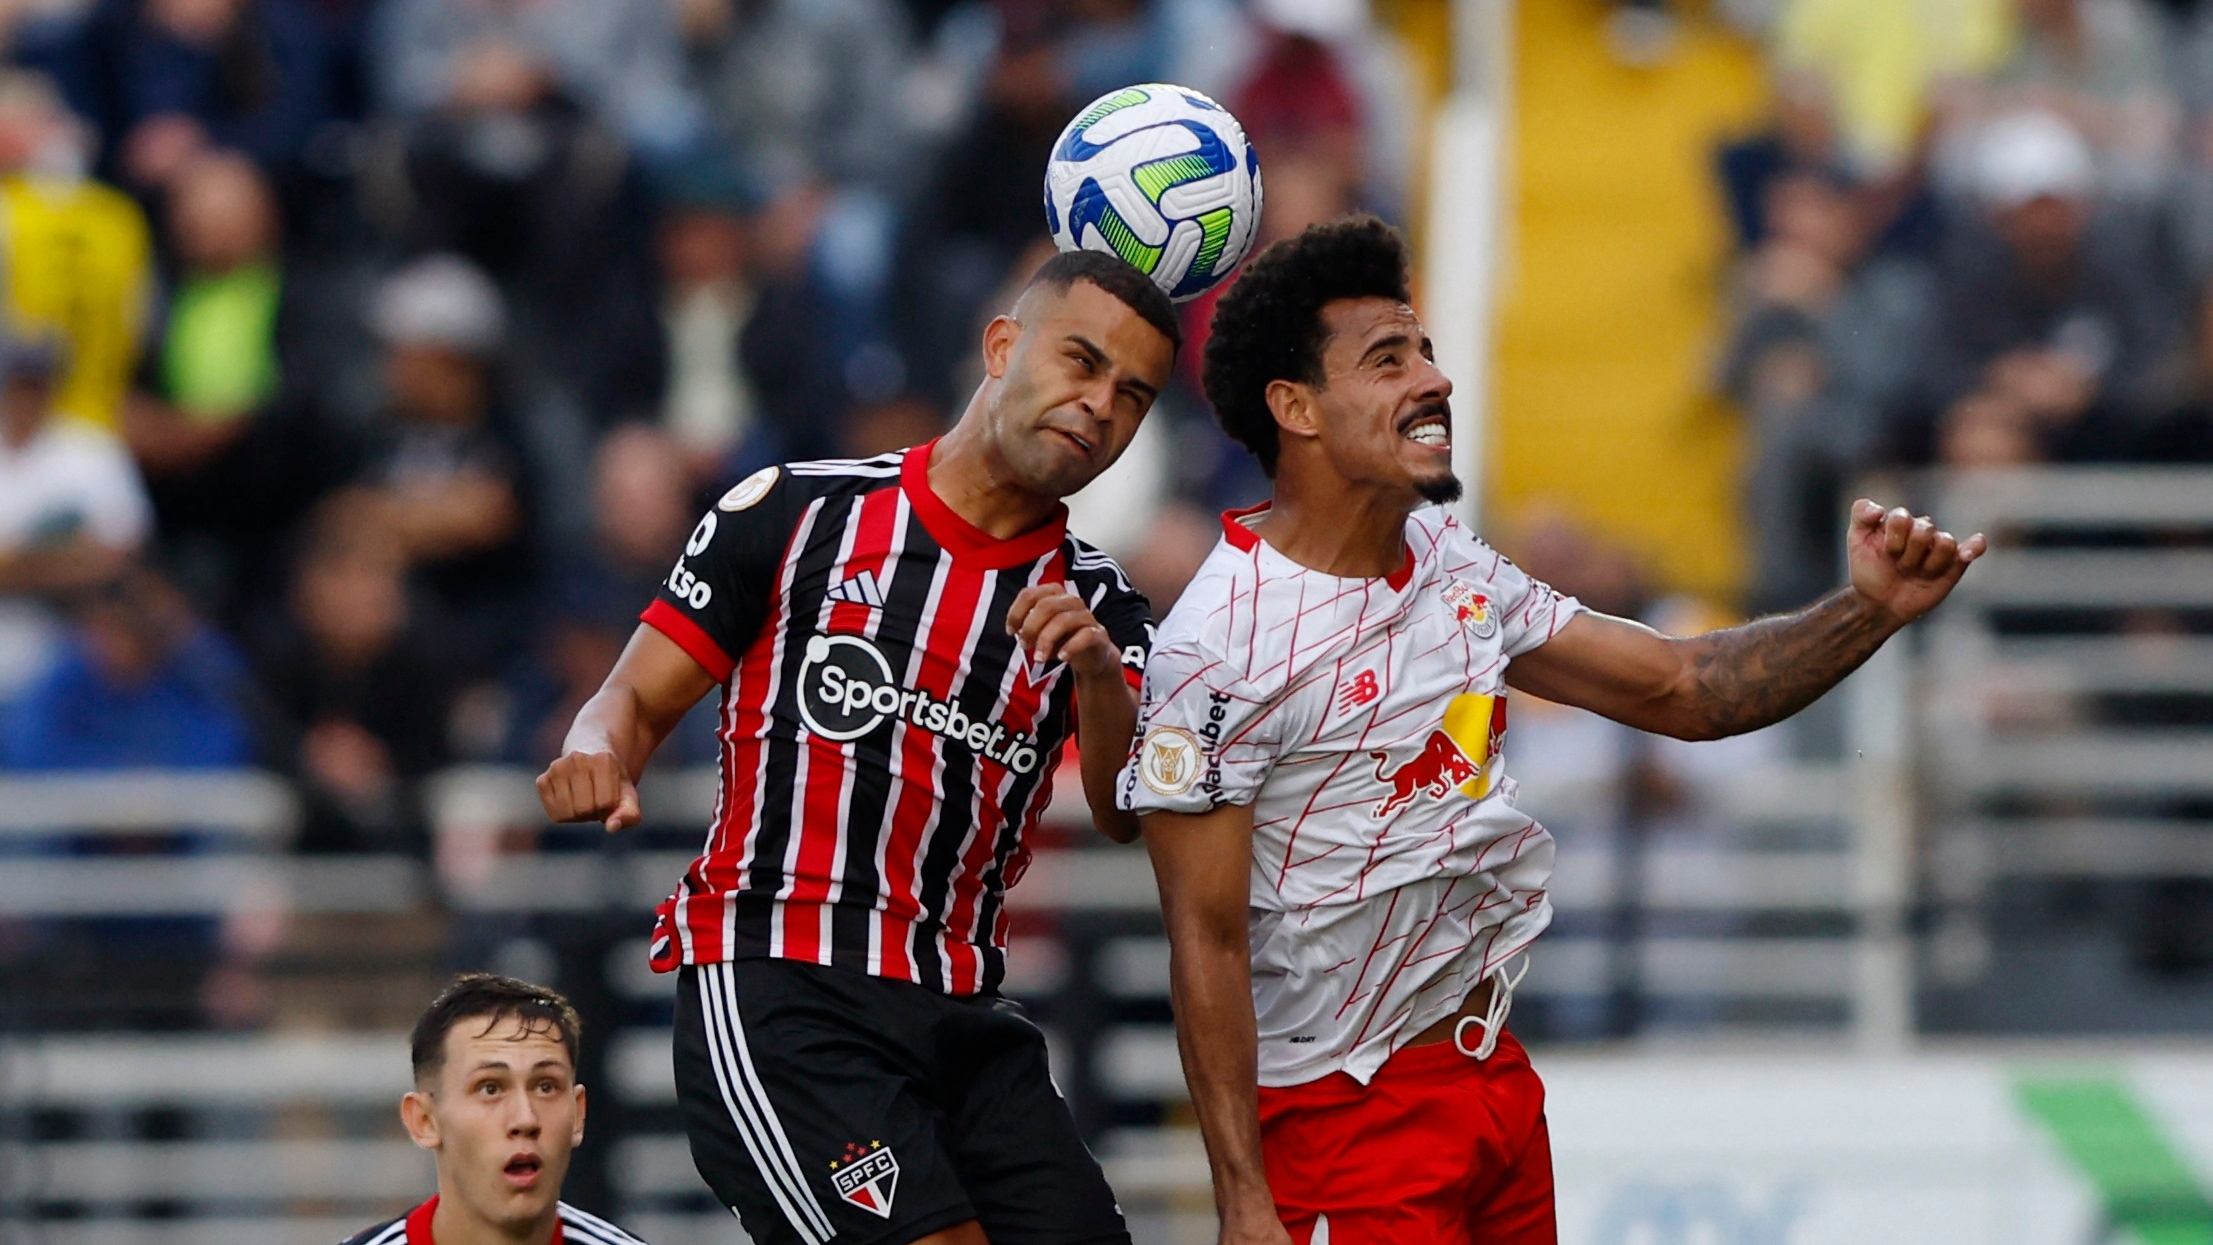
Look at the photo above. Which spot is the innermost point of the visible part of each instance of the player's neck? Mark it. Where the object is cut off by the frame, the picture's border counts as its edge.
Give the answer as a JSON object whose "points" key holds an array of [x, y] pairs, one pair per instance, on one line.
{"points": [[454, 1223], [970, 479], [1348, 533]]}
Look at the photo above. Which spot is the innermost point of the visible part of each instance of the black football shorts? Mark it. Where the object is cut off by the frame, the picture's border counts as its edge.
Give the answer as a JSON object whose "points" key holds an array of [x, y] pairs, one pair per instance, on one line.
{"points": [[825, 1105]]}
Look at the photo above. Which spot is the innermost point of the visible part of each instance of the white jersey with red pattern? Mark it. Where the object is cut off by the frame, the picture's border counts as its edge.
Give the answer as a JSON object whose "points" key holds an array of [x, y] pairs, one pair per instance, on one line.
{"points": [[1363, 721]]}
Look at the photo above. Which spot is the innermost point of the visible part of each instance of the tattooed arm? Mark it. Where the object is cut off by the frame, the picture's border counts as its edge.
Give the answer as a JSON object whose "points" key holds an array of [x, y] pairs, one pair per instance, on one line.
{"points": [[1743, 678]]}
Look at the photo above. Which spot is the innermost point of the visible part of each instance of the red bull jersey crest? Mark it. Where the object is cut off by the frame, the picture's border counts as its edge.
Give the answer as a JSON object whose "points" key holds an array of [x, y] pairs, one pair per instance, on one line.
{"points": [[1472, 609], [1364, 721]]}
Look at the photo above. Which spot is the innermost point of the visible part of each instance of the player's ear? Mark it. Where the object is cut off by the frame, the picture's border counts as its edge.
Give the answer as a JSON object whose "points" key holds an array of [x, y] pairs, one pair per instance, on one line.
{"points": [[417, 1118], [999, 338], [576, 1134], [1293, 406]]}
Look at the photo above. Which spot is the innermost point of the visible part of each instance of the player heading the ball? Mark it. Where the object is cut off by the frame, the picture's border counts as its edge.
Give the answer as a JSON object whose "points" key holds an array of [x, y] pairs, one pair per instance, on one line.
{"points": [[496, 1100], [904, 644], [1322, 779]]}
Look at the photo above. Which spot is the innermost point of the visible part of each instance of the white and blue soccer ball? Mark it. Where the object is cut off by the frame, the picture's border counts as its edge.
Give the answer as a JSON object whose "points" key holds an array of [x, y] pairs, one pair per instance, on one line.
{"points": [[1161, 176]]}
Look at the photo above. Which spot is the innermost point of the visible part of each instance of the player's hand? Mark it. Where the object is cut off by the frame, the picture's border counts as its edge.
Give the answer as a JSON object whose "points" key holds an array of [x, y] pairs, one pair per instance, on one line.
{"points": [[589, 786], [1052, 624], [1901, 562]]}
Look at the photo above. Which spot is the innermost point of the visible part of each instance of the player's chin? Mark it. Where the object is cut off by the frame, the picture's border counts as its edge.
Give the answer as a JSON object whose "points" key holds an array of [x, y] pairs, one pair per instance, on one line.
{"points": [[1064, 469], [1438, 487], [518, 1209]]}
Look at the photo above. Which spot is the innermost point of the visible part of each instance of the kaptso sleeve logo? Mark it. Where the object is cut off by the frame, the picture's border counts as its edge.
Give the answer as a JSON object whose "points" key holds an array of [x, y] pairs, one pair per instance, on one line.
{"points": [[702, 536]]}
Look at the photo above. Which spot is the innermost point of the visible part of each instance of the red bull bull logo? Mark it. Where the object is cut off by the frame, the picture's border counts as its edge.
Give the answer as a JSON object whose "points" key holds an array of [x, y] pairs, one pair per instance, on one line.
{"points": [[1457, 756], [1472, 609]]}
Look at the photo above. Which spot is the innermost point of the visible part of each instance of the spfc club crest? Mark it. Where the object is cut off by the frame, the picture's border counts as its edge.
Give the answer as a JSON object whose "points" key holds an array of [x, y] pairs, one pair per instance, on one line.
{"points": [[867, 1176]]}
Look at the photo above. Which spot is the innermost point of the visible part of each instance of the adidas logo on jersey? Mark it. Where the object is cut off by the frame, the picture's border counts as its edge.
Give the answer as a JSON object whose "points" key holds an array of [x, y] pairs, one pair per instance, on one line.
{"points": [[860, 590]]}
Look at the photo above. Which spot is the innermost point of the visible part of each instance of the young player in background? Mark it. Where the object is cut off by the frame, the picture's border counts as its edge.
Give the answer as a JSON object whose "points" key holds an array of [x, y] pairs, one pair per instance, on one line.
{"points": [[496, 1100], [1342, 868], [904, 645]]}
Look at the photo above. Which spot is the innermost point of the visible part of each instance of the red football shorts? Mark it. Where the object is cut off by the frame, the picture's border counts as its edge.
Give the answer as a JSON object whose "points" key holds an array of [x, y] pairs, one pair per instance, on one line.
{"points": [[1438, 1150]]}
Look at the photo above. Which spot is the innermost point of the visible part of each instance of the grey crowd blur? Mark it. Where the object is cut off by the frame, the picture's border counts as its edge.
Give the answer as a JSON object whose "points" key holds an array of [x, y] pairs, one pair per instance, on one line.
{"points": [[1976, 233], [367, 361]]}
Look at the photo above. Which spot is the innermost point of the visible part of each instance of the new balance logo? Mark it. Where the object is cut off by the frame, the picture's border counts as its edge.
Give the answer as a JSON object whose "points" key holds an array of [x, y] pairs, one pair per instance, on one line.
{"points": [[1358, 694], [860, 590]]}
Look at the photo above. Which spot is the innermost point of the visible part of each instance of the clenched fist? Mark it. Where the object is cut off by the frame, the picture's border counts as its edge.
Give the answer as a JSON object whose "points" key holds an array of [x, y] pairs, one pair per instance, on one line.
{"points": [[589, 786], [1052, 624]]}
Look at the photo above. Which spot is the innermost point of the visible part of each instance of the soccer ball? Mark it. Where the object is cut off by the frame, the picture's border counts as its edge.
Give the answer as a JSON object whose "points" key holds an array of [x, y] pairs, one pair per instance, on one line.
{"points": [[1161, 176]]}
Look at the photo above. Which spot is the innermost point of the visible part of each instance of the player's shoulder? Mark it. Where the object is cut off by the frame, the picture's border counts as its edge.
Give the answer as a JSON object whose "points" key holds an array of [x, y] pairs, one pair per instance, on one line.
{"points": [[1201, 616], [581, 1228], [1439, 538], [868, 472], [1434, 530], [788, 485], [1090, 566], [1210, 634], [389, 1232]]}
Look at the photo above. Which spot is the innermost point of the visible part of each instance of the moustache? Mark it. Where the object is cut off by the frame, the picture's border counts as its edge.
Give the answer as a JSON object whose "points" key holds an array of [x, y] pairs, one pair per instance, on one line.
{"points": [[1441, 408]]}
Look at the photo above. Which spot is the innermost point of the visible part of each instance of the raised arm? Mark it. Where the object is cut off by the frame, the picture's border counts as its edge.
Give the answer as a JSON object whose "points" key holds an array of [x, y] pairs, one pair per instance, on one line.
{"points": [[1053, 624], [653, 685], [1743, 678], [1203, 862]]}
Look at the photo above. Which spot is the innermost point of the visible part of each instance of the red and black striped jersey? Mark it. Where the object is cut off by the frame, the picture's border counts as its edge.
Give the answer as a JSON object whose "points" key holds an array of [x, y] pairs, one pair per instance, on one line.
{"points": [[887, 748], [570, 1227]]}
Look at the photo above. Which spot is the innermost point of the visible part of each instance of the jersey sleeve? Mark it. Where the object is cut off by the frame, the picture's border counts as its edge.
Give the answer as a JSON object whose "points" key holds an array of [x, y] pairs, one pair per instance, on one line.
{"points": [[1128, 618], [1205, 737], [715, 598], [1531, 611]]}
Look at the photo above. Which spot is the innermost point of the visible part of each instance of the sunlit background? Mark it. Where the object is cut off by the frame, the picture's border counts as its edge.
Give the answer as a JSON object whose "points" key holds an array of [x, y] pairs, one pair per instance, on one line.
{"points": [[367, 362]]}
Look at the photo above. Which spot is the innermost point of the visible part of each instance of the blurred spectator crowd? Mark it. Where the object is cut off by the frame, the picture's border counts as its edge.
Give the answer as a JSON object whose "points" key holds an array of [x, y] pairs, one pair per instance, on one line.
{"points": [[1975, 233], [363, 363]]}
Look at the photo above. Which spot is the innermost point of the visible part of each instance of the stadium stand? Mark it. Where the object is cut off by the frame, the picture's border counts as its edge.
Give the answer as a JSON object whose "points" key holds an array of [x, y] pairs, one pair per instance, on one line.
{"points": [[366, 371]]}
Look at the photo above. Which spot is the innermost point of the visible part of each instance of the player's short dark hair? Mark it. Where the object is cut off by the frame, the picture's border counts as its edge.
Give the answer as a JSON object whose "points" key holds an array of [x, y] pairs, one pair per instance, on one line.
{"points": [[1268, 325], [490, 998], [1134, 288]]}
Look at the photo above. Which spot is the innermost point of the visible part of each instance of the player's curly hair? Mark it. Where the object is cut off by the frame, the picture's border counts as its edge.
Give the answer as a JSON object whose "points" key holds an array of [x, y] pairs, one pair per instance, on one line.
{"points": [[1268, 325]]}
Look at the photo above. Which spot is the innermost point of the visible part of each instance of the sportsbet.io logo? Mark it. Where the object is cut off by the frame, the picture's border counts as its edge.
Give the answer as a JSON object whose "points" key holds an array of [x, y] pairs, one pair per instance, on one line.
{"points": [[846, 690]]}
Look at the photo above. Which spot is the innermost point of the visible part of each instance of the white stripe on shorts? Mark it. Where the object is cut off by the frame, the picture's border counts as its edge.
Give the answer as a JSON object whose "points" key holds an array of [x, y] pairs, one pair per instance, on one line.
{"points": [[747, 1102]]}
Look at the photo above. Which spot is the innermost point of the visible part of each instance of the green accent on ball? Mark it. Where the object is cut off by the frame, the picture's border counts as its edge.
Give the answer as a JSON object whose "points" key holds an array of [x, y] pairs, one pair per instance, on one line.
{"points": [[1155, 178], [1213, 238], [1128, 245], [1130, 97]]}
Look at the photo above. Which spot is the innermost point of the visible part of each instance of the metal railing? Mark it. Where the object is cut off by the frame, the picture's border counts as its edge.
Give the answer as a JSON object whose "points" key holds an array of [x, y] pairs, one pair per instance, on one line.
{"points": [[2065, 713], [1093, 956]]}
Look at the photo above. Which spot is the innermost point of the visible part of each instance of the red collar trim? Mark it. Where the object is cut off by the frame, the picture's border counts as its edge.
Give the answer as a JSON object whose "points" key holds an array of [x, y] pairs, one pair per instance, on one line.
{"points": [[1244, 538], [962, 539], [418, 1224], [1236, 533]]}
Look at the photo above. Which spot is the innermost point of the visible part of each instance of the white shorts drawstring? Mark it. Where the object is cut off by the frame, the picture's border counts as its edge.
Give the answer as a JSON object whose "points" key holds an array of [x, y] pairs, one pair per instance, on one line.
{"points": [[1493, 1018]]}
